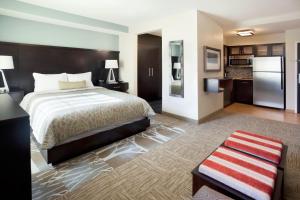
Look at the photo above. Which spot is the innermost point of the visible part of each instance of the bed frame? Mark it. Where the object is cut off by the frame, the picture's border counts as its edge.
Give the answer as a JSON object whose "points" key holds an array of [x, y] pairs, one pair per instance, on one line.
{"points": [[74, 148]]}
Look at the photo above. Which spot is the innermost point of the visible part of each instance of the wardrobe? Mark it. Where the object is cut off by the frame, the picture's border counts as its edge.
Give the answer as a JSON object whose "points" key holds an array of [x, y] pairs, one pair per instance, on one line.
{"points": [[149, 67]]}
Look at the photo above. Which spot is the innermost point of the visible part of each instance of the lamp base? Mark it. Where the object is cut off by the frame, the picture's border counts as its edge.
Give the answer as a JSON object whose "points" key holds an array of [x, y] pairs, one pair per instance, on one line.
{"points": [[111, 77], [4, 89], [178, 74]]}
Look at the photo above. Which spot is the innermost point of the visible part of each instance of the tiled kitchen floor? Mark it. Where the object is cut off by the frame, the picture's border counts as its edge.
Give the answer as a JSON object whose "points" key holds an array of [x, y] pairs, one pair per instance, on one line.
{"points": [[266, 113]]}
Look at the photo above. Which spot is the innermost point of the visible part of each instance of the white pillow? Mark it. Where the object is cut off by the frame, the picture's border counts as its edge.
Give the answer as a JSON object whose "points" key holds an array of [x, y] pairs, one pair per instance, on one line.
{"points": [[82, 77], [48, 82]]}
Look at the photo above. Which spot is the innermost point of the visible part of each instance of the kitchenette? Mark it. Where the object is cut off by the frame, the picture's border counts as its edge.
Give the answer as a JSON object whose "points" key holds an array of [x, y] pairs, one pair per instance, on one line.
{"points": [[254, 74]]}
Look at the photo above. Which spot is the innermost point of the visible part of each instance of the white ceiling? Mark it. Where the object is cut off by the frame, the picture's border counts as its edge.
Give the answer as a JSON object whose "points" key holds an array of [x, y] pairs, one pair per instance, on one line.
{"points": [[265, 16]]}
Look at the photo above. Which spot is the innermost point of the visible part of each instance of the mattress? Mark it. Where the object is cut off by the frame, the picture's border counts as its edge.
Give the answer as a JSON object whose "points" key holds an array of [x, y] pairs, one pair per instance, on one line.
{"points": [[57, 117]]}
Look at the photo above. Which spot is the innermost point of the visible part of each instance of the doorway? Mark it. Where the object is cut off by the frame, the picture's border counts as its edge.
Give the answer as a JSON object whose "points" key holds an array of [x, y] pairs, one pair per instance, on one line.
{"points": [[150, 69], [298, 77]]}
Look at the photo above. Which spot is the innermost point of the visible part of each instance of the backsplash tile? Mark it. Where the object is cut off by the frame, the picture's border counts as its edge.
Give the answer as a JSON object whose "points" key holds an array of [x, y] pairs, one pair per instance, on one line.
{"points": [[239, 72]]}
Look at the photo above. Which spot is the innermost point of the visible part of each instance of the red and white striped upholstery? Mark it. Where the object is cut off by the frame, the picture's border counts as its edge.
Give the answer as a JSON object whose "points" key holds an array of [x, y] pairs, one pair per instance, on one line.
{"points": [[244, 173], [257, 145]]}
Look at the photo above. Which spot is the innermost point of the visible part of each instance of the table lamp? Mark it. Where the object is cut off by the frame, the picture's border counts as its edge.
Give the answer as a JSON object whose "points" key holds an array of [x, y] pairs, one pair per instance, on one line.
{"points": [[111, 64], [6, 62]]}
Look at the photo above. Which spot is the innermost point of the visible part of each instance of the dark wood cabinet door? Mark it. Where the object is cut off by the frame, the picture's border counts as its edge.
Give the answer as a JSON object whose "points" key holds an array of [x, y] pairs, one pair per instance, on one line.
{"points": [[15, 150], [247, 50], [277, 49], [243, 90], [156, 74], [262, 50], [149, 67], [241, 50], [144, 74], [227, 84], [235, 50]]}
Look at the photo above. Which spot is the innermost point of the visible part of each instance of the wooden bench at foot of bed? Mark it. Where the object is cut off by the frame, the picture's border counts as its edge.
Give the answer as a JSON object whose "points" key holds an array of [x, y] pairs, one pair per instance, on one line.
{"points": [[200, 180], [260, 146], [239, 175]]}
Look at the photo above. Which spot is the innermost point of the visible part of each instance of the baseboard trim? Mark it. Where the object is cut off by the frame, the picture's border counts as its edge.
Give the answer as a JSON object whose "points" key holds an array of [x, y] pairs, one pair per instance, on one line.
{"points": [[204, 119], [290, 111], [180, 117]]}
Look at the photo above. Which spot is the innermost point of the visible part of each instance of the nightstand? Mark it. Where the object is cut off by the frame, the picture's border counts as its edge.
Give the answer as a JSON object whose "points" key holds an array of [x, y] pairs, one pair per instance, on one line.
{"points": [[120, 86], [16, 94]]}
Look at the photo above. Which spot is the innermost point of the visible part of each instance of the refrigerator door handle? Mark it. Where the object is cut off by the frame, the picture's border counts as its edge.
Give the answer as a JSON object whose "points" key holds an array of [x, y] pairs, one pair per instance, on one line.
{"points": [[282, 73], [282, 65], [281, 81]]}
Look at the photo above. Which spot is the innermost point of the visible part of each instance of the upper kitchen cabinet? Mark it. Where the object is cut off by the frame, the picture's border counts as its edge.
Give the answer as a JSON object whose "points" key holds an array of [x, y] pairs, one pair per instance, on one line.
{"points": [[277, 49], [270, 50], [262, 50], [247, 50], [234, 50], [241, 50]]}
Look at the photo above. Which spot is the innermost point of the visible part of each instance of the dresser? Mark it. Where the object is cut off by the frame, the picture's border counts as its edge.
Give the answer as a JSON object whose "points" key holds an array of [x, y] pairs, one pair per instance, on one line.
{"points": [[14, 150]]}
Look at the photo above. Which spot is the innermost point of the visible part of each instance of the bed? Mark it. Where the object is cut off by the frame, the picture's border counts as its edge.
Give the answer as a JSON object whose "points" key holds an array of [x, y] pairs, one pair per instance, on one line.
{"points": [[57, 147], [67, 123]]}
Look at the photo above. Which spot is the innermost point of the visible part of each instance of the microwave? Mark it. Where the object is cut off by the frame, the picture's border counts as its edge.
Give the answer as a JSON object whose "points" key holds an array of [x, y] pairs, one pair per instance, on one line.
{"points": [[243, 60]]}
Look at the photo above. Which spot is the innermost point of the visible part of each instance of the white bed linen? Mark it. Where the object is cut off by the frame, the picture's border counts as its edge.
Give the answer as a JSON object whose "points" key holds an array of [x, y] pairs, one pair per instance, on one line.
{"points": [[59, 116]]}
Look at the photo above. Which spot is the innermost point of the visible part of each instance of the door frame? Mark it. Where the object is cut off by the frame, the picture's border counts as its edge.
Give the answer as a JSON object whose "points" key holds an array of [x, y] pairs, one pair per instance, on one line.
{"points": [[298, 72]]}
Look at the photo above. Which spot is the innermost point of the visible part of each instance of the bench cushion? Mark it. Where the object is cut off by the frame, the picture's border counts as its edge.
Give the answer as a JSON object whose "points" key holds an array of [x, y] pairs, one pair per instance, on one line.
{"points": [[255, 144], [244, 173]]}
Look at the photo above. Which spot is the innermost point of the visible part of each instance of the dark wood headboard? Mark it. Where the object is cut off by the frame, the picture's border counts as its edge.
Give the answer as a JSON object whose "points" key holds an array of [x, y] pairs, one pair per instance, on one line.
{"points": [[51, 60]]}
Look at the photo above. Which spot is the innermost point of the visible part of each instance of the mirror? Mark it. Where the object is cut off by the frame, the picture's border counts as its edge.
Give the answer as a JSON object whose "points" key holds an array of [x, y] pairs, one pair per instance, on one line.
{"points": [[177, 66]]}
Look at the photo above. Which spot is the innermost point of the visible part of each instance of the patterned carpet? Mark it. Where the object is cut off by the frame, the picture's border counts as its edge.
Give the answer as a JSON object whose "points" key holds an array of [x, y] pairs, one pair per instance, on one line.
{"points": [[164, 172], [50, 182]]}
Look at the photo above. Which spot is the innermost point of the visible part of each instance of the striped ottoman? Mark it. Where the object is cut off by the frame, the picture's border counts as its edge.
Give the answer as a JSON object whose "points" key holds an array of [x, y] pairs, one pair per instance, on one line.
{"points": [[257, 145], [239, 175]]}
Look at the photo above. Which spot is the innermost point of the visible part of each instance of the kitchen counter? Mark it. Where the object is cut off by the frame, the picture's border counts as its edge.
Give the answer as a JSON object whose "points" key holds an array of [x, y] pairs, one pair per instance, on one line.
{"points": [[237, 78], [248, 79]]}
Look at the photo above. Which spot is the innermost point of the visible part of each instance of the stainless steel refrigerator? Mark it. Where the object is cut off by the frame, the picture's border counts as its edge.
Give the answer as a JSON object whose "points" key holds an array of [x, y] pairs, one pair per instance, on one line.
{"points": [[269, 82]]}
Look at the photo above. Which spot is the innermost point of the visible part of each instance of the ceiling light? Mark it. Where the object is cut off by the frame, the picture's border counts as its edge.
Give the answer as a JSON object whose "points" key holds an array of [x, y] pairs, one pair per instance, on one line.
{"points": [[244, 33]]}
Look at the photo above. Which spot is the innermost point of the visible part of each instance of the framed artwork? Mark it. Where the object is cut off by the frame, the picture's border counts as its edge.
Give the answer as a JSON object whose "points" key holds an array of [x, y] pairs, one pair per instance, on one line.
{"points": [[212, 59]]}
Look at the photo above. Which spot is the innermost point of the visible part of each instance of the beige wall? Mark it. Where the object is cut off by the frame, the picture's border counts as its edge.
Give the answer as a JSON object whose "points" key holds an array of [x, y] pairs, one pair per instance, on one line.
{"points": [[178, 27], [256, 39], [181, 27], [209, 34], [292, 37], [196, 30]]}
